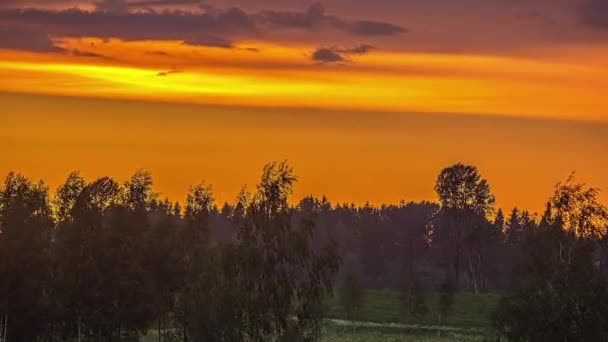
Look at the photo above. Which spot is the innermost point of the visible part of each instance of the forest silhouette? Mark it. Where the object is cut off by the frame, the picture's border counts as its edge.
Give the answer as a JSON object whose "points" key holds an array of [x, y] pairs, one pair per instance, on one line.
{"points": [[97, 260]]}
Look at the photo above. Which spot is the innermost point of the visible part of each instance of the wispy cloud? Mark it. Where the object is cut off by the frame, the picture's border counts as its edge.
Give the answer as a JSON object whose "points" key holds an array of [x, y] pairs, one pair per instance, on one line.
{"points": [[336, 54]]}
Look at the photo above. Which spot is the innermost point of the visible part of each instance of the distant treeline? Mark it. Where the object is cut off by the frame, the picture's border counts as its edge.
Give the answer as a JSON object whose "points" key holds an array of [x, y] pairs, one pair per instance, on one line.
{"points": [[102, 261]]}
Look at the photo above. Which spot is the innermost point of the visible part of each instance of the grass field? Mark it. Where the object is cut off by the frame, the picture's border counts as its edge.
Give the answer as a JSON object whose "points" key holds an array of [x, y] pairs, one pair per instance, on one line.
{"points": [[394, 333], [379, 320], [469, 310]]}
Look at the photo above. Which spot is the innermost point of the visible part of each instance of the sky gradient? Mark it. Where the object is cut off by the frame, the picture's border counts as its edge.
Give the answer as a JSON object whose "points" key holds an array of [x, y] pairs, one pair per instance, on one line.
{"points": [[368, 100]]}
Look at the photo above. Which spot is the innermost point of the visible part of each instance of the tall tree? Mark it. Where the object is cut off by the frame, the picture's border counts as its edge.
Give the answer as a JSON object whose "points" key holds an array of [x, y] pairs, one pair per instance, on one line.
{"points": [[78, 251], [564, 296], [195, 289], [162, 264], [287, 276], [270, 282], [465, 197], [579, 209], [25, 238]]}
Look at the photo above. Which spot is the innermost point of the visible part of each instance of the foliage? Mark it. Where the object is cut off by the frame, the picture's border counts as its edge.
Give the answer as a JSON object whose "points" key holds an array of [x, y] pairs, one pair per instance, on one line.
{"points": [[566, 300], [565, 295], [578, 208], [25, 240], [108, 261], [268, 275], [466, 202], [461, 188]]}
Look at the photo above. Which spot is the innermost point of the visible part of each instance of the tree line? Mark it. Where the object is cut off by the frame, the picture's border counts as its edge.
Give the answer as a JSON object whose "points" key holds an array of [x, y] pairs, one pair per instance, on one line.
{"points": [[104, 261]]}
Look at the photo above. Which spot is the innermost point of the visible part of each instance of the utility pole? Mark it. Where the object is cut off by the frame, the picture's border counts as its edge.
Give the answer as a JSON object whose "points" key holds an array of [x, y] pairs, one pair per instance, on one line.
{"points": [[411, 274]]}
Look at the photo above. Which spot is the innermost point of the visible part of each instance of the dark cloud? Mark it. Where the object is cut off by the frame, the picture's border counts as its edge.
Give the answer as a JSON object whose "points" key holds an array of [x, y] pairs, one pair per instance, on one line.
{"points": [[80, 53], [153, 3], [374, 28], [315, 18], [311, 19], [169, 72], [25, 39], [125, 5], [198, 29], [158, 53], [208, 27], [327, 55], [357, 50], [595, 13], [335, 54], [211, 41]]}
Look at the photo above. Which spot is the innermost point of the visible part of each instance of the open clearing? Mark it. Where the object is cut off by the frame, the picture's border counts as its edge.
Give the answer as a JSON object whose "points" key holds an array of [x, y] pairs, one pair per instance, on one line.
{"points": [[379, 320]]}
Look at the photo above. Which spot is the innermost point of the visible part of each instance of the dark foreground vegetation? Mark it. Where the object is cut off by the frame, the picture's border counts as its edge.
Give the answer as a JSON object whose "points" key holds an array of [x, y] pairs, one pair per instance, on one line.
{"points": [[103, 261]]}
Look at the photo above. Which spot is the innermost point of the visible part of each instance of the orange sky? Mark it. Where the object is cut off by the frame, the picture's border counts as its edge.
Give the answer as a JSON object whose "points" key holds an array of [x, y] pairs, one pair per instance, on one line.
{"points": [[348, 156], [366, 102]]}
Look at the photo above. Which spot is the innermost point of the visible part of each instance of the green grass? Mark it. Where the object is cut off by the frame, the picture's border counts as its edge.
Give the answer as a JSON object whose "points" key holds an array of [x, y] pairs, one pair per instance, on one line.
{"points": [[340, 332], [469, 310], [379, 320], [372, 336]]}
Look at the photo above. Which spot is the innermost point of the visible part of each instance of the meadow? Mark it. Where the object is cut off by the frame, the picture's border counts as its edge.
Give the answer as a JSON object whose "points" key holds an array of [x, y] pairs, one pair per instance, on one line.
{"points": [[380, 320]]}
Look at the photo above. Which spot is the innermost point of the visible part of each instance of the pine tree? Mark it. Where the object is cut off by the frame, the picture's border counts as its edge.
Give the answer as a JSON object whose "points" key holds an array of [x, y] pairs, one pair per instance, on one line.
{"points": [[499, 223], [513, 228]]}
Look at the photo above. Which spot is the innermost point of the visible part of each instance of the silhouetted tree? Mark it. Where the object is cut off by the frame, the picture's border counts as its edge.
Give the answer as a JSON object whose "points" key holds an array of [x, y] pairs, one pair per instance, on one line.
{"points": [[466, 200], [162, 264], [578, 207], [499, 222], [564, 296], [25, 238], [77, 251], [514, 228], [270, 282], [196, 260]]}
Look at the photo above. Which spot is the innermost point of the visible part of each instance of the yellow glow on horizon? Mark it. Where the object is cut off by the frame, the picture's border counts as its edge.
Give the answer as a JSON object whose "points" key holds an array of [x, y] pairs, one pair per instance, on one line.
{"points": [[262, 74]]}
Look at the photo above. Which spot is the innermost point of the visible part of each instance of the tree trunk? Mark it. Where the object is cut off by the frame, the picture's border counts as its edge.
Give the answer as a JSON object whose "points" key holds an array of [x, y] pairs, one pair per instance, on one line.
{"points": [[473, 275], [482, 273], [457, 266], [411, 275], [160, 338], [5, 327], [79, 329], [603, 255]]}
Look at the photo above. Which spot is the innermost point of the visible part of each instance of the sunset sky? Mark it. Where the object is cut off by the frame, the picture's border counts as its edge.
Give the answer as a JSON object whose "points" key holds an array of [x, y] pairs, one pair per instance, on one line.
{"points": [[368, 100]]}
